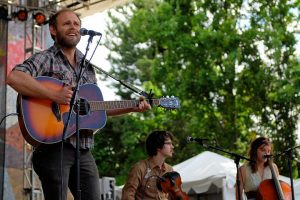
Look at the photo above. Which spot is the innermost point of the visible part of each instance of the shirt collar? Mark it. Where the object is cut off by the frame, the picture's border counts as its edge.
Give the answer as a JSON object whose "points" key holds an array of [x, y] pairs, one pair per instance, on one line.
{"points": [[56, 49], [152, 165]]}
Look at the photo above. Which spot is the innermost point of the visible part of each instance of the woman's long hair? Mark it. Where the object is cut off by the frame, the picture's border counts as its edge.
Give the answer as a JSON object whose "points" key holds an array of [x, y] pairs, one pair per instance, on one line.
{"points": [[253, 151]]}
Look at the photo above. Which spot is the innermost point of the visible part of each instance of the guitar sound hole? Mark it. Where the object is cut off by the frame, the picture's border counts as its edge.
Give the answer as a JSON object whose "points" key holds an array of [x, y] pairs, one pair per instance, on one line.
{"points": [[84, 107]]}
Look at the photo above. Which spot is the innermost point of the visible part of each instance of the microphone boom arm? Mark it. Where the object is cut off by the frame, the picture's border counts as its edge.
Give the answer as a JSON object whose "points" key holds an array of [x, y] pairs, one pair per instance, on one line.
{"points": [[127, 85]]}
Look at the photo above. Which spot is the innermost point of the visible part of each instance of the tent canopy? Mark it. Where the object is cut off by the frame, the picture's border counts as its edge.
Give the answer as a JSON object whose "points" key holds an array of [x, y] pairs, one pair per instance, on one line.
{"points": [[204, 169]]}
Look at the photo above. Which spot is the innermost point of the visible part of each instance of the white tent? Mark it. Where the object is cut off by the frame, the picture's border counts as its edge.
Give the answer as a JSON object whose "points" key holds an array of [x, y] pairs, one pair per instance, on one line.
{"points": [[208, 172], [211, 173]]}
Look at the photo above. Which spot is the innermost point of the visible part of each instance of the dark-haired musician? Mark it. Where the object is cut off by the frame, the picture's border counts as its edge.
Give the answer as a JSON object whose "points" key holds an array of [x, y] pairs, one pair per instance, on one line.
{"points": [[62, 62], [144, 175]]}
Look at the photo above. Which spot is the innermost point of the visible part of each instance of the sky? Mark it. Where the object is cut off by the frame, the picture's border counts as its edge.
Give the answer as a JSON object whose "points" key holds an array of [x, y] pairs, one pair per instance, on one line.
{"points": [[97, 22]]}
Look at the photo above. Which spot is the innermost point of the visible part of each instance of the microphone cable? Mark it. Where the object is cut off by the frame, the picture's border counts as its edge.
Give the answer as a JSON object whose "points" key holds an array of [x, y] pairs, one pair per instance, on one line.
{"points": [[11, 114]]}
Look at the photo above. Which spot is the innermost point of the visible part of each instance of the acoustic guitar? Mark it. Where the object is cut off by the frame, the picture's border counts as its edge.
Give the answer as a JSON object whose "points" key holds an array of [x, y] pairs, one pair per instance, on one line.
{"points": [[42, 121]]}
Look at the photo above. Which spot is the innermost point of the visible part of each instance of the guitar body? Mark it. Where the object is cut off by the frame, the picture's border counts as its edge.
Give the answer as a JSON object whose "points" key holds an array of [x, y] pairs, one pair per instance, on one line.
{"points": [[42, 121]]}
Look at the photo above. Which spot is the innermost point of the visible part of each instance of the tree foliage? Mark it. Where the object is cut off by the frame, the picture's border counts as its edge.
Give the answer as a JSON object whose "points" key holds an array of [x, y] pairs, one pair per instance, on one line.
{"points": [[232, 64]]}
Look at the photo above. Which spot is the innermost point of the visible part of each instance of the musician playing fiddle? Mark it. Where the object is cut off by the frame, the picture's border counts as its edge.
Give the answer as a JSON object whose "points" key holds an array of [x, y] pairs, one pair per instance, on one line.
{"points": [[143, 177], [253, 173]]}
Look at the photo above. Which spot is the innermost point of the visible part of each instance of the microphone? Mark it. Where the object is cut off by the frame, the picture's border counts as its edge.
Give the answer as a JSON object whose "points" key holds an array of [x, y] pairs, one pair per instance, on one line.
{"points": [[191, 139], [267, 156], [84, 32]]}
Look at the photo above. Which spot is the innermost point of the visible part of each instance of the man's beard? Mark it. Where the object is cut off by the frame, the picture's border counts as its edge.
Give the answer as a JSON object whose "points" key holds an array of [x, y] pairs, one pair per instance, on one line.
{"points": [[66, 42]]}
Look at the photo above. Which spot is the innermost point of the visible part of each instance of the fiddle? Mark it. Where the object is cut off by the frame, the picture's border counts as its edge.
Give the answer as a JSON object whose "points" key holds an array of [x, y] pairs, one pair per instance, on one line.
{"points": [[170, 183], [274, 189]]}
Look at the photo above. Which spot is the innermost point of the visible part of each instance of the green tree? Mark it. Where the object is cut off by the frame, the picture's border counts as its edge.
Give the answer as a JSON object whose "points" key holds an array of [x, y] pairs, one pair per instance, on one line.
{"points": [[231, 63]]}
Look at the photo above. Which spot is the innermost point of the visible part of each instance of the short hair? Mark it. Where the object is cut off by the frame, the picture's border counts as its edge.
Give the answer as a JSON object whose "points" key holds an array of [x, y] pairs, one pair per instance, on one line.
{"points": [[53, 18], [156, 140]]}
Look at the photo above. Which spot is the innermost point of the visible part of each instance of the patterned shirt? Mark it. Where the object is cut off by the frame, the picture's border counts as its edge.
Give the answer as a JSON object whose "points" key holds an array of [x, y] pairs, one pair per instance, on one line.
{"points": [[142, 181], [53, 63]]}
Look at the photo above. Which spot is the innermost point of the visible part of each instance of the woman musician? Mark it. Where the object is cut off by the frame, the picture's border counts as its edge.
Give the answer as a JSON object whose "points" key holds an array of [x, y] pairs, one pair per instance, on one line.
{"points": [[253, 173]]}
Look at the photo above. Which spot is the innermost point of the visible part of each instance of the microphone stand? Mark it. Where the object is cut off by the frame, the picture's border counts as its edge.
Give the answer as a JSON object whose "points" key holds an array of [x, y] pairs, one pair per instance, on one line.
{"points": [[76, 101], [288, 154], [237, 159]]}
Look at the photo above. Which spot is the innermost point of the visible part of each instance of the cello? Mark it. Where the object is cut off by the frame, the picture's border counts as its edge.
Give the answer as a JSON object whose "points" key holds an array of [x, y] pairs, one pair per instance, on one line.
{"points": [[170, 183], [273, 189]]}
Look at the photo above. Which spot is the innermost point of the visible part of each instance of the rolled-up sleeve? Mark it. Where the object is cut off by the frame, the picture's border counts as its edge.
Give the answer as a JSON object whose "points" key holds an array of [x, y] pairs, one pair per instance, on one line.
{"points": [[33, 65]]}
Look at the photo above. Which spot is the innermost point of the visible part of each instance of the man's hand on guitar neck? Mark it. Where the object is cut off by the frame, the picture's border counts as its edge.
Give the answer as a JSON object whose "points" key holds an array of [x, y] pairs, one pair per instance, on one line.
{"points": [[143, 105]]}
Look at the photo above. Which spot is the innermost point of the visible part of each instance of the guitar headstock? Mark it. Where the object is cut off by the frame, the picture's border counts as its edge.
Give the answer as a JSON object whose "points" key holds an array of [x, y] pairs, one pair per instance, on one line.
{"points": [[170, 103]]}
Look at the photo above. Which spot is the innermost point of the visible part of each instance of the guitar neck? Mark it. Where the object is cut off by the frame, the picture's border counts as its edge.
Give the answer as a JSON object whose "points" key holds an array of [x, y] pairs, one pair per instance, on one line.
{"points": [[112, 105]]}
